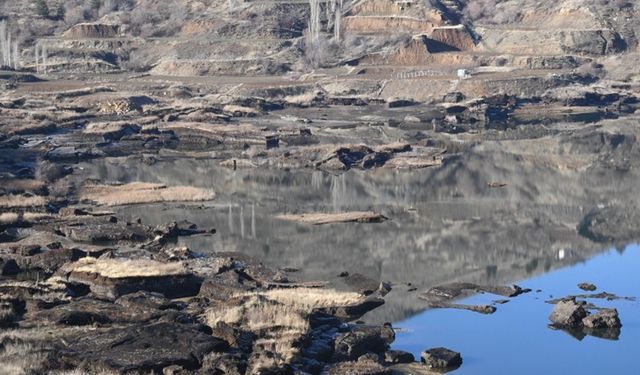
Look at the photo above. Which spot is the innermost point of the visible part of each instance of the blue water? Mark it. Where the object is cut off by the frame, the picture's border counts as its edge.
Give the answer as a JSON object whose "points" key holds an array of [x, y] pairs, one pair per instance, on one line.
{"points": [[516, 339]]}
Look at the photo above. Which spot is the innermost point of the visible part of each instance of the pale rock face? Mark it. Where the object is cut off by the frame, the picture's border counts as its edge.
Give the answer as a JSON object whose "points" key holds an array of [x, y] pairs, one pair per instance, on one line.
{"points": [[568, 313]]}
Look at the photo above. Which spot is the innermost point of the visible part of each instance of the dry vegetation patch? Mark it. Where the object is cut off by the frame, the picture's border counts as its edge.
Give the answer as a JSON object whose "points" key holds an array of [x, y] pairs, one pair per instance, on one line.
{"points": [[328, 218], [22, 185], [280, 316], [140, 192], [310, 298], [26, 217], [19, 201], [127, 268]]}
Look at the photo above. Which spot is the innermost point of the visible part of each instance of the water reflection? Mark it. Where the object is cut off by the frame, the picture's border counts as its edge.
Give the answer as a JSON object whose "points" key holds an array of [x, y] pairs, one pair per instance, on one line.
{"points": [[339, 197], [501, 343], [447, 224]]}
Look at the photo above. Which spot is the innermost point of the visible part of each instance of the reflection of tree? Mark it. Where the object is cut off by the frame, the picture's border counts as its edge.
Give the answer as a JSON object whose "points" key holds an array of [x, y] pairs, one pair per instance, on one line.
{"points": [[339, 192], [458, 228], [317, 180]]}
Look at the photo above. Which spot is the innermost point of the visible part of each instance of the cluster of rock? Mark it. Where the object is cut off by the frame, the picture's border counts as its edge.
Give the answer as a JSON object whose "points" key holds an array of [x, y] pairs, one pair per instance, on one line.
{"points": [[96, 293], [442, 295], [574, 316]]}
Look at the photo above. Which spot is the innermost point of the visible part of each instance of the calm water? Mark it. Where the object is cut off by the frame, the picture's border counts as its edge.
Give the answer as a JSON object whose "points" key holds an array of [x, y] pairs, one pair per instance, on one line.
{"points": [[447, 225], [516, 340]]}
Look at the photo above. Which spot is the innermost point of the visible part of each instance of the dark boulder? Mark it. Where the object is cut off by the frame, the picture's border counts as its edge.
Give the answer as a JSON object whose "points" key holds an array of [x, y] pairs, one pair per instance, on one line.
{"points": [[588, 287], [172, 286], [603, 319], [441, 359], [398, 356], [362, 340], [144, 348], [8, 267]]}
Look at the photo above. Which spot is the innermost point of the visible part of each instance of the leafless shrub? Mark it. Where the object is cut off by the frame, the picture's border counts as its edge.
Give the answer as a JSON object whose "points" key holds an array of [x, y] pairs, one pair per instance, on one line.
{"points": [[319, 52], [494, 12], [590, 70]]}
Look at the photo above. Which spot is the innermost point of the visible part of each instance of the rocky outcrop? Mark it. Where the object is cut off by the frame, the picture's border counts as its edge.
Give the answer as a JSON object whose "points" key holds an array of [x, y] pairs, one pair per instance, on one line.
{"points": [[92, 30], [144, 348], [450, 38], [112, 278], [591, 42]]}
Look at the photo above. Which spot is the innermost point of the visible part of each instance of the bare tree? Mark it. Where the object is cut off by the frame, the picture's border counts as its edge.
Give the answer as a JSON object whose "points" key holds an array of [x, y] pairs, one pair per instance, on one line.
{"points": [[314, 20], [44, 58], [334, 10], [35, 53], [41, 57], [5, 44], [337, 24], [16, 56]]}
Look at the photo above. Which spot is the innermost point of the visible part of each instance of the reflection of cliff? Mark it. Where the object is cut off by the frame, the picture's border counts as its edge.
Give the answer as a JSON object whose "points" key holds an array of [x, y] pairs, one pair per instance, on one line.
{"points": [[447, 223]]}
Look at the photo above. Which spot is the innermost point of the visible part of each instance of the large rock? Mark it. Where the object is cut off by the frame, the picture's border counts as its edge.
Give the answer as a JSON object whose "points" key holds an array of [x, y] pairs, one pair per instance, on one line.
{"points": [[362, 340], [363, 366], [8, 267], [603, 319], [108, 233], [112, 278], [354, 311], [568, 313], [49, 260], [398, 356], [441, 359], [144, 348]]}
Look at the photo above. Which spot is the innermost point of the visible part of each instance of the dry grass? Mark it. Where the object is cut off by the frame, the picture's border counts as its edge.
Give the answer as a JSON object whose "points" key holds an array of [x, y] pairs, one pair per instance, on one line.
{"points": [[124, 268], [9, 218], [21, 185], [342, 217], [140, 192], [19, 201], [21, 358], [27, 217], [280, 315], [240, 110], [413, 162], [269, 316], [310, 298], [280, 326]]}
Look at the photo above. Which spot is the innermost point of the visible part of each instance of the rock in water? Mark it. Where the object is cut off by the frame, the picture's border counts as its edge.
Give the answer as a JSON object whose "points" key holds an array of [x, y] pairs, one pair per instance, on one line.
{"points": [[568, 313], [605, 318], [588, 287], [398, 356], [441, 359]]}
